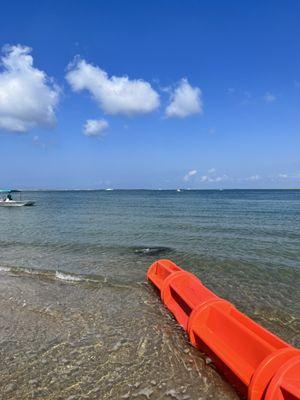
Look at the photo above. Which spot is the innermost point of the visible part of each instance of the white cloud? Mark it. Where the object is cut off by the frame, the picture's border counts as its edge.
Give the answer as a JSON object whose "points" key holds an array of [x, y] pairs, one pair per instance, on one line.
{"points": [[189, 175], [269, 97], [211, 179], [253, 178], [282, 176], [185, 100], [95, 127], [114, 95], [295, 175], [211, 176], [27, 96]]}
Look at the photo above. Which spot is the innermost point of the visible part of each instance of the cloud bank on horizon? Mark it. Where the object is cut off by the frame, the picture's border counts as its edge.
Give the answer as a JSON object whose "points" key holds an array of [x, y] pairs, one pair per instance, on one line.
{"points": [[189, 175]]}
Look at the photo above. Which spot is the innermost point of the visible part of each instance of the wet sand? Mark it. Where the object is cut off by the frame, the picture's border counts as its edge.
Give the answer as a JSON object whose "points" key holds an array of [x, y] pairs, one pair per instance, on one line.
{"points": [[85, 340]]}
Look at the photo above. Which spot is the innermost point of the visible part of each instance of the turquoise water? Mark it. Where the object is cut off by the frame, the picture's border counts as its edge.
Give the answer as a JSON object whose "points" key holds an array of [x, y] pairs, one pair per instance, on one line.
{"points": [[245, 245]]}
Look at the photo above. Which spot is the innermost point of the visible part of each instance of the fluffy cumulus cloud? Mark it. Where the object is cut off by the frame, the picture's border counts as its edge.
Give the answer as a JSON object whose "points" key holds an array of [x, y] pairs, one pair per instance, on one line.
{"points": [[95, 127], [185, 100], [189, 175], [115, 95], [27, 96]]}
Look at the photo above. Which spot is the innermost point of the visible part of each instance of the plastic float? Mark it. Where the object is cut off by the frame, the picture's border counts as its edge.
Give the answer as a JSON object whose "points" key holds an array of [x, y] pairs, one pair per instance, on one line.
{"points": [[257, 363]]}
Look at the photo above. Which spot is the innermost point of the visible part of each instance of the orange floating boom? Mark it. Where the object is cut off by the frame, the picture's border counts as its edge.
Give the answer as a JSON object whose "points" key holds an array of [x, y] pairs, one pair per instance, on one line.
{"points": [[257, 363]]}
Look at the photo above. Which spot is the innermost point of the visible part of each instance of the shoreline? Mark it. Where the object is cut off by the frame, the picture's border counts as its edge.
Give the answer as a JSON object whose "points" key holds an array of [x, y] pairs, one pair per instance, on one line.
{"points": [[75, 340]]}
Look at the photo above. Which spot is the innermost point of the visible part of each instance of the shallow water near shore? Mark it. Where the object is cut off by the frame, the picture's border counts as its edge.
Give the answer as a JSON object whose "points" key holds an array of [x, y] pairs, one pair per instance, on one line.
{"points": [[78, 319]]}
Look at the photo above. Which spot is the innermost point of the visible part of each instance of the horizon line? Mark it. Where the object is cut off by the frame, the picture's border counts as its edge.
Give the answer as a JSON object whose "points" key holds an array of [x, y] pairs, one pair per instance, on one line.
{"points": [[148, 189]]}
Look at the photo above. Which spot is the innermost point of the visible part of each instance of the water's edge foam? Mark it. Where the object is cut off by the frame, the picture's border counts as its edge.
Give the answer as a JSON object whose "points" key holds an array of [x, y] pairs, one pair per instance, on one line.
{"points": [[63, 276]]}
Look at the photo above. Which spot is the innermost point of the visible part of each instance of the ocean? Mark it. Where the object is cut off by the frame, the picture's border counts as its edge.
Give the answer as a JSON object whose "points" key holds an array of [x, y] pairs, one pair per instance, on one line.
{"points": [[78, 319]]}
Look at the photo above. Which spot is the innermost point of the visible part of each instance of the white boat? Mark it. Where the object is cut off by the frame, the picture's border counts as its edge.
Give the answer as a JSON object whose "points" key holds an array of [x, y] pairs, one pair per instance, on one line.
{"points": [[8, 201], [14, 203]]}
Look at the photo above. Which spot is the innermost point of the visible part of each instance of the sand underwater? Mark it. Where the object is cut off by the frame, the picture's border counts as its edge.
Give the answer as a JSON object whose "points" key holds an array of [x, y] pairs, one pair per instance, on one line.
{"points": [[93, 340]]}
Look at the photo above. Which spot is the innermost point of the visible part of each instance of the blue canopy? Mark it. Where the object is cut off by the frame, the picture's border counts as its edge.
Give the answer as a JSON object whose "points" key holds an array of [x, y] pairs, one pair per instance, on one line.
{"points": [[9, 190]]}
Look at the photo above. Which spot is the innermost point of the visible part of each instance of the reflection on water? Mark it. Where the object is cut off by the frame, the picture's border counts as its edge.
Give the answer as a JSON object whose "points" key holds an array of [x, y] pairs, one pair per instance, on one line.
{"points": [[77, 319]]}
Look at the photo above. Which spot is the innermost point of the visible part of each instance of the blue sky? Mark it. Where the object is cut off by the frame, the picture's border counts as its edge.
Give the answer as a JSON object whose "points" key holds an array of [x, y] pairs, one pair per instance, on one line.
{"points": [[140, 94]]}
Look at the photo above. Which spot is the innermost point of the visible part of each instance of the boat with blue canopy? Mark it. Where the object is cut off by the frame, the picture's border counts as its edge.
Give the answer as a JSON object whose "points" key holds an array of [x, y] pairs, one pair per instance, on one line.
{"points": [[6, 199]]}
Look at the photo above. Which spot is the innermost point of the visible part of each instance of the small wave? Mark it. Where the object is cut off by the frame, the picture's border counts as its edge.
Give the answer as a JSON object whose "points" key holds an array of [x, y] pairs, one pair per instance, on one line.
{"points": [[31, 271], [67, 277], [52, 275], [5, 269]]}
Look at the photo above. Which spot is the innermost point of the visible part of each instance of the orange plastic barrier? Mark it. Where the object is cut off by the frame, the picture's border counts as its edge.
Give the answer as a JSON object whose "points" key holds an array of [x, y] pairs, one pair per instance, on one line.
{"points": [[258, 364]]}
